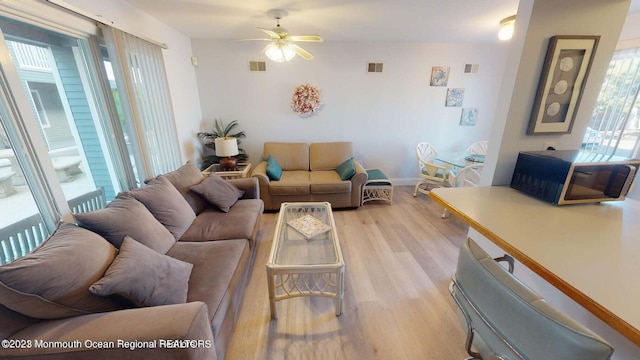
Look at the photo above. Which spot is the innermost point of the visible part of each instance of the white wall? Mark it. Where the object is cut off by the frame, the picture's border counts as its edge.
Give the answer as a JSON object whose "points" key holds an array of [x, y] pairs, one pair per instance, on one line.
{"points": [[180, 72], [385, 115], [631, 28], [539, 20]]}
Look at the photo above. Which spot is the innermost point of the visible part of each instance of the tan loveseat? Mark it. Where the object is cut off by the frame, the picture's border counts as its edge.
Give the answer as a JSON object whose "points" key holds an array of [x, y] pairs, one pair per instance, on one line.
{"points": [[309, 174], [49, 309]]}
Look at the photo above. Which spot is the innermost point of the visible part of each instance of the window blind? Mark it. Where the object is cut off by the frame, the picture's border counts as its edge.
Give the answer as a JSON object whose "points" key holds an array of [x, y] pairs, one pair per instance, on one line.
{"points": [[140, 74]]}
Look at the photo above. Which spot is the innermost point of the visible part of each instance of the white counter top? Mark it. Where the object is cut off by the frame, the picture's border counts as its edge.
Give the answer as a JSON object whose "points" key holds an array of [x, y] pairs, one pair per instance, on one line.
{"points": [[590, 252]]}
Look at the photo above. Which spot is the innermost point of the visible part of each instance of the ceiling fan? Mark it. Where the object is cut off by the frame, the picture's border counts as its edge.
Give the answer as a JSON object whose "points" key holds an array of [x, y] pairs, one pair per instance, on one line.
{"points": [[282, 46]]}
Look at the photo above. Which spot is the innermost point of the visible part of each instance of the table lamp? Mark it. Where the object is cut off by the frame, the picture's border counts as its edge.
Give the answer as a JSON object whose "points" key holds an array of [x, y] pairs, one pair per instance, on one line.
{"points": [[226, 148]]}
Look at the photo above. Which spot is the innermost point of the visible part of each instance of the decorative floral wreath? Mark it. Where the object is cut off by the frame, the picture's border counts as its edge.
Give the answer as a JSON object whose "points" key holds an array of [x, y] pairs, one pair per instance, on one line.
{"points": [[306, 99]]}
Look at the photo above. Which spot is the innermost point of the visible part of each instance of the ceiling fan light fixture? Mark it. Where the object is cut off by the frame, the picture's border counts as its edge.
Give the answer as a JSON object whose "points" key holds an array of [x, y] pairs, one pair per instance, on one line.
{"points": [[279, 51], [506, 28]]}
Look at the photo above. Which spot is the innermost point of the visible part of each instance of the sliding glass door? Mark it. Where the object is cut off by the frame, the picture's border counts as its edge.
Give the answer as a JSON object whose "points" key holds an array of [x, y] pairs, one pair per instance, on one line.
{"points": [[57, 143], [81, 119], [615, 124]]}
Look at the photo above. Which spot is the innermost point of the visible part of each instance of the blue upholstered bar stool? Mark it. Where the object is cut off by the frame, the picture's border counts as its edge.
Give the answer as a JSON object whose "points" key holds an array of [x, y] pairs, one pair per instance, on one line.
{"points": [[507, 320]]}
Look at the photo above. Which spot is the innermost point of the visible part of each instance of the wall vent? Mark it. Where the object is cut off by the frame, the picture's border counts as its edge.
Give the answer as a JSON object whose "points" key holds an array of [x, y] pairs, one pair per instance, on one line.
{"points": [[257, 66], [374, 67], [471, 68]]}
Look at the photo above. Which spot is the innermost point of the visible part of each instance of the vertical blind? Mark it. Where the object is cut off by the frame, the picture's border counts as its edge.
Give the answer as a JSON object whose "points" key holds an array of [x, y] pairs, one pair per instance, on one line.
{"points": [[144, 81]]}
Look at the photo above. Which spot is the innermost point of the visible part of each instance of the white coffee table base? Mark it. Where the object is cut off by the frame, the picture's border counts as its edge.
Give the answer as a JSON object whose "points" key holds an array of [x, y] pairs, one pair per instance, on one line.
{"points": [[291, 283]]}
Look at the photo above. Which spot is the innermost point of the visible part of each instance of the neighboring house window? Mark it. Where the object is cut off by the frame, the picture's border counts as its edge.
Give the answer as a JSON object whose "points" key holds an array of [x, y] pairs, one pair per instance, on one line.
{"points": [[40, 113], [614, 128]]}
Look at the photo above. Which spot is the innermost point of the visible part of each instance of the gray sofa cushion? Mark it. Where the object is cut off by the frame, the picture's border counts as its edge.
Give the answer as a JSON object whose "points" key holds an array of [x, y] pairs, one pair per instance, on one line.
{"points": [[179, 321], [218, 268], [145, 277], [13, 322], [238, 223], [166, 204], [218, 192], [53, 281], [182, 178], [127, 216]]}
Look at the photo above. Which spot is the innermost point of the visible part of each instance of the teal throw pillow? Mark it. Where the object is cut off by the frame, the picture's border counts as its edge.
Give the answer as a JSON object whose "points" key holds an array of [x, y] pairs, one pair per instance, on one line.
{"points": [[274, 171], [346, 170]]}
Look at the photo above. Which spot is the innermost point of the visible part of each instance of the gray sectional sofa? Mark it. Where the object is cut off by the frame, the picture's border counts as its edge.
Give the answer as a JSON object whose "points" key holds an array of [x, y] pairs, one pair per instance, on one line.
{"points": [[309, 173], [162, 270]]}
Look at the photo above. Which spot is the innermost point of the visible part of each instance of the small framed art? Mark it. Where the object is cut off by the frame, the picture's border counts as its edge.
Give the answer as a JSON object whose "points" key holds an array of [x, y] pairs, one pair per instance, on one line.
{"points": [[455, 97], [469, 117], [439, 76], [564, 73]]}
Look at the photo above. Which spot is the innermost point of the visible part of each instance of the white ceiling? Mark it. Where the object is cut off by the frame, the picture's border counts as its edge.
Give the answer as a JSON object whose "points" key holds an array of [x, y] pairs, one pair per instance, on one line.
{"points": [[339, 20]]}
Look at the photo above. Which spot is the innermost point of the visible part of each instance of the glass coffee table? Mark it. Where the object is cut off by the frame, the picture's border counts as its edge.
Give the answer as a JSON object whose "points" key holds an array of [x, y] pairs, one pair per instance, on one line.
{"points": [[305, 258]]}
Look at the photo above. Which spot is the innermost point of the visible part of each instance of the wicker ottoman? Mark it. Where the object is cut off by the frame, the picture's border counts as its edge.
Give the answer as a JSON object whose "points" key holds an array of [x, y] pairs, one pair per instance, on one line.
{"points": [[377, 187]]}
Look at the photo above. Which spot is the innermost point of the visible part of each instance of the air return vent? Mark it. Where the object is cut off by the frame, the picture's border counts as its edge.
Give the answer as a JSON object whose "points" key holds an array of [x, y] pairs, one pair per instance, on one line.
{"points": [[257, 66], [471, 68], [374, 67]]}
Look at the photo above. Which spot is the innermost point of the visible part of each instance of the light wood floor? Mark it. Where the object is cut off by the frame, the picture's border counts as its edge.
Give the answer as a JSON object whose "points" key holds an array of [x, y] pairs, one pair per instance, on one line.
{"points": [[399, 260]]}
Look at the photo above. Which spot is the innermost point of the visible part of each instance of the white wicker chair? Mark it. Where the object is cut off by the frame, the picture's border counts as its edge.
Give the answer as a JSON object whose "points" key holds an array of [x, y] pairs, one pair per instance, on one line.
{"points": [[432, 175], [477, 148], [467, 176]]}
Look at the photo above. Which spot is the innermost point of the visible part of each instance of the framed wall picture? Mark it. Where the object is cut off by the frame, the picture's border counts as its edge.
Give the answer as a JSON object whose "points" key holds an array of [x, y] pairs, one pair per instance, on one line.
{"points": [[455, 97], [439, 76], [469, 117], [564, 73]]}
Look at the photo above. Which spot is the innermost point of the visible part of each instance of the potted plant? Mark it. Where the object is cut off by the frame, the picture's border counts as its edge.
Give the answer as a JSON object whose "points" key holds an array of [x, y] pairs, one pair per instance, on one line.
{"points": [[221, 130]]}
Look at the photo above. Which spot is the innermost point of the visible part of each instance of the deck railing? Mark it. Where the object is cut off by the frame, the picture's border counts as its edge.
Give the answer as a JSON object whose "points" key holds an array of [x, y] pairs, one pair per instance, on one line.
{"points": [[90, 201], [31, 57], [20, 238]]}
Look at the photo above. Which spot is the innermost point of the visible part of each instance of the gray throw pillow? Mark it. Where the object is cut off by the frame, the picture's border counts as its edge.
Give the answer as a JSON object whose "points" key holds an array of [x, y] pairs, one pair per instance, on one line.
{"points": [[182, 178], [53, 281], [218, 192], [145, 277], [166, 204], [127, 216]]}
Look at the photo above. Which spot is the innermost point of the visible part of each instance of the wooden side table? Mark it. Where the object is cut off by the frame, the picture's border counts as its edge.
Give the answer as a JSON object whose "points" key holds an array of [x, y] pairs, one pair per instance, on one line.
{"points": [[240, 171]]}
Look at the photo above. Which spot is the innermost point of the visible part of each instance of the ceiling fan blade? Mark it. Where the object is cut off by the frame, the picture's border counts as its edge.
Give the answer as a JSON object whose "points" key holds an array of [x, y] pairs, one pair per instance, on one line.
{"points": [[252, 40], [314, 38], [302, 52], [271, 33]]}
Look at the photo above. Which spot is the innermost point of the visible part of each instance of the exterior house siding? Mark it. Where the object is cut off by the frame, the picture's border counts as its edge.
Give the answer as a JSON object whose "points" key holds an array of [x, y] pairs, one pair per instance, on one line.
{"points": [[82, 116]]}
